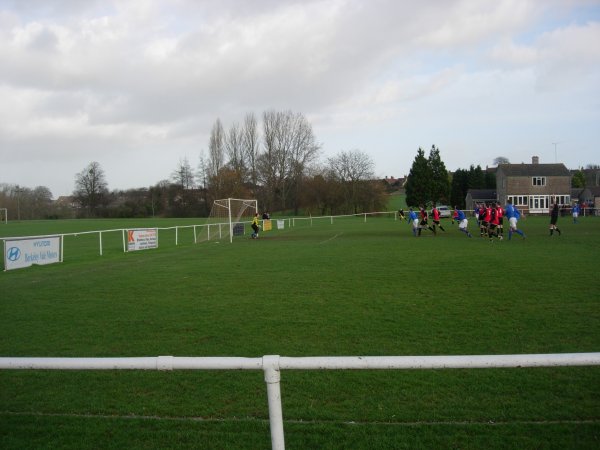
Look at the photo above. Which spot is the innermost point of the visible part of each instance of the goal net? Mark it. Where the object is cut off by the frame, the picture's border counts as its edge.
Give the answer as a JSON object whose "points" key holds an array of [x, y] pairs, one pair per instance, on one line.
{"points": [[228, 218]]}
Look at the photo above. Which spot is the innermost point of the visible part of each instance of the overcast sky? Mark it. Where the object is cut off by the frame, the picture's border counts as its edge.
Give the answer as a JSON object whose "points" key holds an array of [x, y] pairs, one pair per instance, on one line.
{"points": [[136, 85]]}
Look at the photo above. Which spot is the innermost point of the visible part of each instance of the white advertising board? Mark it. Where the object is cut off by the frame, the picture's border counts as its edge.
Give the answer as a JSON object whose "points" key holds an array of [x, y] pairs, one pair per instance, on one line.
{"points": [[142, 239], [21, 253]]}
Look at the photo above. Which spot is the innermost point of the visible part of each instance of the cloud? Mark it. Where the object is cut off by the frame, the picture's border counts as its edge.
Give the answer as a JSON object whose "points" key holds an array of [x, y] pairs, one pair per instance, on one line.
{"points": [[122, 78]]}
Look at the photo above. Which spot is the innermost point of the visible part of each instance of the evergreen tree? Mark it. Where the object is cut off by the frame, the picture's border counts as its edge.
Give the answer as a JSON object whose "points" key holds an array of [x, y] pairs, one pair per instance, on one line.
{"points": [[440, 184], [490, 180], [418, 183], [578, 179], [476, 178], [459, 188]]}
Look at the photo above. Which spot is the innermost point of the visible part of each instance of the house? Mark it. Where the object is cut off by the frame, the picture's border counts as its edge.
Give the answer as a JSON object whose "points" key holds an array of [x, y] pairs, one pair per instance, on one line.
{"points": [[533, 187], [592, 177]]}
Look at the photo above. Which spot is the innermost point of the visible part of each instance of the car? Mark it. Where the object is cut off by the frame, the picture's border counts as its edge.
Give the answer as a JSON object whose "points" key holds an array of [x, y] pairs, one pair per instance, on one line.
{"points": [[444, 211]]}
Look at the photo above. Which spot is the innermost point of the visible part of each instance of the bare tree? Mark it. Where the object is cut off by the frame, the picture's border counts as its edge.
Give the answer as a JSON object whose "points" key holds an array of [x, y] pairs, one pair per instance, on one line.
{"points": [[303, 152], [183, 176], [352, 170], [90, 187], [250, 145], [233, 144], [268, 162], [501, 160], [216, 156], [290, 146]]}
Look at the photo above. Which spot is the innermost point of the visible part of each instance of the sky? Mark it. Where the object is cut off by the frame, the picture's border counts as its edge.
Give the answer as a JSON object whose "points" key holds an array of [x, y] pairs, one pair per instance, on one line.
{"points": [[137, 85]]}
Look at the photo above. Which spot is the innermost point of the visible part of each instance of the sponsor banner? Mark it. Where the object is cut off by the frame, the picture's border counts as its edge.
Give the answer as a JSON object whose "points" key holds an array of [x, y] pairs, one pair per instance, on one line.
{"points": [[267, 225], [142, 239], [21, 253], [238, 229], [280, 224]]}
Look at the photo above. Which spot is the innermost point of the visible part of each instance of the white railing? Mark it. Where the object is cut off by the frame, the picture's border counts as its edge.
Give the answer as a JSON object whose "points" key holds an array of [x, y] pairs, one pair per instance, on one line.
{"points": [[272, 365], [215, 228]]}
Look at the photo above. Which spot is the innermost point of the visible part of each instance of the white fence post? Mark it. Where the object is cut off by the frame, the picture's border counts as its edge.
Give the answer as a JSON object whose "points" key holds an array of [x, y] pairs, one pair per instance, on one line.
{"points": [[272, 378]]}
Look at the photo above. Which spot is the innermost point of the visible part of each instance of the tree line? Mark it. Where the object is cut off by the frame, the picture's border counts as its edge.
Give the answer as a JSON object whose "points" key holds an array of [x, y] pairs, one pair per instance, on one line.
{"points": [[277, 161], [430, 183]]}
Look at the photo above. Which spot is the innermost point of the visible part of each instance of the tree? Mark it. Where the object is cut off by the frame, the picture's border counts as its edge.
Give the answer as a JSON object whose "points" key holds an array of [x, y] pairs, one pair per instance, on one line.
{"points": [[289, 148], [459, 188], [578, 180], [418, 188], [353, 170], [216, 157], [183, 175], [90, 188], [476, 178], [250, 145], [440, 184], [501, 160], [304, 150]]}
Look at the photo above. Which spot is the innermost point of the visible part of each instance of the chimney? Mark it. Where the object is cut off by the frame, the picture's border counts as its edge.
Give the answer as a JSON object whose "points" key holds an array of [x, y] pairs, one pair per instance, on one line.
{"points": [[535, 160]]}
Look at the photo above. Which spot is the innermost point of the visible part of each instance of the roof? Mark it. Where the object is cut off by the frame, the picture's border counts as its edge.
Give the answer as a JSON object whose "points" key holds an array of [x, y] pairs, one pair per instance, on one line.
{"points": [[482, 194], [533, 170]]}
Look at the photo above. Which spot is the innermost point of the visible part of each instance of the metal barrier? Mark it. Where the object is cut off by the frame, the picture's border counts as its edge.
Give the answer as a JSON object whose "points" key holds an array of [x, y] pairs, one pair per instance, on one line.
{"points": [[272, 365]]}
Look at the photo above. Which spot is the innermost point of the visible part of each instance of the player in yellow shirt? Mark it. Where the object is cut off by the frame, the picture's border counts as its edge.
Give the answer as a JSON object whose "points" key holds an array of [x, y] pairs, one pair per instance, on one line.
{"points": [[255, 226]]}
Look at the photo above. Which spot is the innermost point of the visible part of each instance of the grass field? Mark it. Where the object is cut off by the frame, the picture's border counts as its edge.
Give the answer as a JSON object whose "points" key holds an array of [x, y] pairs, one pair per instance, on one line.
{"points": [[347, 288]]}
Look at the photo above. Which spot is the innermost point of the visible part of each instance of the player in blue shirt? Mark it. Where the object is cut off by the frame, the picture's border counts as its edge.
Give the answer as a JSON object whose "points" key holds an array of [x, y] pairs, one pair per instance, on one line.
{"points": [[575, 212], [462, 220], [413, 219], [513, 215]]}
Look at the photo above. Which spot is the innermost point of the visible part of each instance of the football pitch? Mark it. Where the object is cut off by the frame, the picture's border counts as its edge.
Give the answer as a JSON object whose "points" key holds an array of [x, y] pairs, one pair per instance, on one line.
{"points": [[320, 288]]}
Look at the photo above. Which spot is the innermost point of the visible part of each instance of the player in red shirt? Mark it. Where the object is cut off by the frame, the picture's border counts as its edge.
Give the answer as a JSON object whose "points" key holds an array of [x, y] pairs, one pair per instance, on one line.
{"points": [[500, 214], [436, 219]]}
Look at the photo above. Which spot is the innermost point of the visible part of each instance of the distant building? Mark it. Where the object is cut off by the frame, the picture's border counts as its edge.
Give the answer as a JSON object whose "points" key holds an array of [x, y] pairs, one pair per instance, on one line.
{"points": [[534, 187], [477, 196]]}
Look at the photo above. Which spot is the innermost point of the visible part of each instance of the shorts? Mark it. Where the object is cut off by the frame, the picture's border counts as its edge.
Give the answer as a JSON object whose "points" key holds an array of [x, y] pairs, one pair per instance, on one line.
{"points": [[463, 224], [513, 223], [415, 223]]}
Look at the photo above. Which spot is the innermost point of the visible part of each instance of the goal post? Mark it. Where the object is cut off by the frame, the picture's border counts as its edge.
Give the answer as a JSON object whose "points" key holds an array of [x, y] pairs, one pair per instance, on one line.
{"points": [[226, 219]]}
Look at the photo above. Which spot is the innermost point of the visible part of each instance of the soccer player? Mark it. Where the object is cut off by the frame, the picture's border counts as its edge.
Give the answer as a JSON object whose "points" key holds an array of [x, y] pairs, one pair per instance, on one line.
{"points": [[462, 220], [513, 215], [485, 215], [575, 212], [255, 226], [436, 219], [554, 219], [424, 221], [455, 217], [414, 221], [493, 223], [500, 214], [401, 214]]}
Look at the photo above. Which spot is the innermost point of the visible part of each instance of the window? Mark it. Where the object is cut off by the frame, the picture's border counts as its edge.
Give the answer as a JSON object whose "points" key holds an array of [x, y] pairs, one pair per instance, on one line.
{"points": [[538, 202], [519, 200], [538, 181], [561, 199]]}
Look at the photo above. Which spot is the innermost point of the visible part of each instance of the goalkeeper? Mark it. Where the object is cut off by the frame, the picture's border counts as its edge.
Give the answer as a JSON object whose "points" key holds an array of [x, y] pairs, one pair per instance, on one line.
{"points": [[255, 226]]}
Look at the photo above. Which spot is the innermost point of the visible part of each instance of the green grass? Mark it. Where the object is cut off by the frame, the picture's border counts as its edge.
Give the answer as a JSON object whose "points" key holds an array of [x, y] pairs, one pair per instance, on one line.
{"points": [[347, 288]]}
